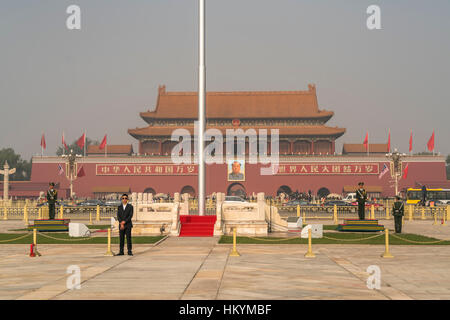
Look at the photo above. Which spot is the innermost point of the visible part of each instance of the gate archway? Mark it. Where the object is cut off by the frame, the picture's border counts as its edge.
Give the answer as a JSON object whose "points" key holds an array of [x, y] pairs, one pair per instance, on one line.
{"points": [[236, 189]]}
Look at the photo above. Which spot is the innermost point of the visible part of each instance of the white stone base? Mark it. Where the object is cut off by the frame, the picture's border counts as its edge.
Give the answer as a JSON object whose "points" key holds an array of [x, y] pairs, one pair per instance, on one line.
{"points": [[246, 228], [151, 228]]}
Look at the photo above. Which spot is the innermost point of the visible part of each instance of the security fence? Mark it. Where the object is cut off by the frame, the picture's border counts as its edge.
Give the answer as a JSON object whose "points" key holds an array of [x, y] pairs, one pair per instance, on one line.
{"points": [[29, 210]]}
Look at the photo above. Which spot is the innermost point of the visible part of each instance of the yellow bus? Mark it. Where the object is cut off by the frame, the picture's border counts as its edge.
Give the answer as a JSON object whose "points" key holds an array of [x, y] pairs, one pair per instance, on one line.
{"points": [[414, 195]]}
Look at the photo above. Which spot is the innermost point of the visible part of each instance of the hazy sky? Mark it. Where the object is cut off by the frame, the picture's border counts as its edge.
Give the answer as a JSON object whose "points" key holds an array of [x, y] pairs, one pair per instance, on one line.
{"points": [[100, 77]]}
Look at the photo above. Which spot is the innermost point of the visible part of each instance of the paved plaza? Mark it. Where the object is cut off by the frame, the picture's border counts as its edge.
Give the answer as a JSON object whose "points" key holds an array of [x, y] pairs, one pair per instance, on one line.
{"points": [[200, 268]]}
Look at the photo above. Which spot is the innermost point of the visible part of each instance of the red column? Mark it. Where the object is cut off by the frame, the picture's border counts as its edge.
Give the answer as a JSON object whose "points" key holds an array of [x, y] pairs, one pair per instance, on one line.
{"points": [[291, 146], [312, 146], [160, 147], [333, 145]]}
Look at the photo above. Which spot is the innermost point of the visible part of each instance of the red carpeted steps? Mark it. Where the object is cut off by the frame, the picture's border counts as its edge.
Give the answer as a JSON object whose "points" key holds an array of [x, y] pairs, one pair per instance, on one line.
{"points": [[197, 226]]}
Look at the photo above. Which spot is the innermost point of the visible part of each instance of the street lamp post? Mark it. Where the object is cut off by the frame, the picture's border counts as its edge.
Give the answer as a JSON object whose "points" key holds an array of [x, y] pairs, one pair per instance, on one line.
{"points": [[396, 166], [71, 168]]}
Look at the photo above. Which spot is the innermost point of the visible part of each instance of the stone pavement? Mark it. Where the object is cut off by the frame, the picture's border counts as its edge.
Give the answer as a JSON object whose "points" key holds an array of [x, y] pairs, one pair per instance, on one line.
{"points": [[200, 268]]}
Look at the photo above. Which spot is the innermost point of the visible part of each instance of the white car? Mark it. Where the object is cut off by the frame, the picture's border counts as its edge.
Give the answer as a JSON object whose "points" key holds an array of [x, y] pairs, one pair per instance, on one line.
{"points": [[351, 197]]}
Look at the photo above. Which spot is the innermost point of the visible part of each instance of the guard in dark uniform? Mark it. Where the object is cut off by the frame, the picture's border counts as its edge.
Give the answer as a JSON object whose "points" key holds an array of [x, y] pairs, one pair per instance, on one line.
{"points": [[361, 197], [52, 196], [398, 211]]}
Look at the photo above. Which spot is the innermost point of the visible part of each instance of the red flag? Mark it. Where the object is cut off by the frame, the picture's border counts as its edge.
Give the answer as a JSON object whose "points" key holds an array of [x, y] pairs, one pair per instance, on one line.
{"points": [[43, 145], [405, 171], [430, 143], [64, 142], [81, 141], [81, 173], [389, 141], [103, 144], [410, 142], [366, 141]]}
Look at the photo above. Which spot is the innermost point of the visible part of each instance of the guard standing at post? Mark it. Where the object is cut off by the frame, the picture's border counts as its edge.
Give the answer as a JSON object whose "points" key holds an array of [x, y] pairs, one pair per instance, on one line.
{"points": [[52, 196], [398, 211], [361, 197]]}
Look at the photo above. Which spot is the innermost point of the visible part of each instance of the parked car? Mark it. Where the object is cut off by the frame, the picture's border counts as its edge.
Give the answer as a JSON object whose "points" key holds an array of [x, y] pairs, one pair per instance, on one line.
{"points": [[113, 203], [91, 203], [234, 199], [341, 204], [292, 205], [351, 197]]}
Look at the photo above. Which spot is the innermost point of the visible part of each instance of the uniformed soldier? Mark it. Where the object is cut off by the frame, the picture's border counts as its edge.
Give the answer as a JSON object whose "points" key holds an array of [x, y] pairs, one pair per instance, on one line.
{"points": [[361, 197], [52, 196], [398, 210]]}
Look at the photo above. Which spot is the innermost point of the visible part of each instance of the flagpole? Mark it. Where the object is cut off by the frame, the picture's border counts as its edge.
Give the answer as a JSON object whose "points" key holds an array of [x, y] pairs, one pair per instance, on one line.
{"points": [[106, 146], [84, 145], [201, 109], [368, 144]]}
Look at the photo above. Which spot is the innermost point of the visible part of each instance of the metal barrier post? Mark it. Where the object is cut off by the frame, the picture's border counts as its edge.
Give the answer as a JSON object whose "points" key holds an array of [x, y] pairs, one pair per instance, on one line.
{"points": [[234, 252], [386, 253], [304, 217], [423, 213], [387, 213], [411, 208], [435, 217], [372, 212], [25, 214], [448, 211], [443, 217], [90, 218], [309, 254], [61, 212], [98, 213], [109, 253], [335, 217], [5, 213], [298, 210], [36, 252]]}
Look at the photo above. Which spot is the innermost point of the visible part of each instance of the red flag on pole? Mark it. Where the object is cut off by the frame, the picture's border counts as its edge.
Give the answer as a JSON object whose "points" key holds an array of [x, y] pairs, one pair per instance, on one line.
{"points": [[81, 173], [64, 142], [389, 141], [410, 142], [366, 141], [103, 144], [81, 141], [43, 145], [405, 171], [430, 143]]}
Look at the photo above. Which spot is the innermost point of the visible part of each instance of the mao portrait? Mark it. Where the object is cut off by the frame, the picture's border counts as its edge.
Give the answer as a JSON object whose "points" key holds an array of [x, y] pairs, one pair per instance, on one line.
{"points": [[236, 170]]}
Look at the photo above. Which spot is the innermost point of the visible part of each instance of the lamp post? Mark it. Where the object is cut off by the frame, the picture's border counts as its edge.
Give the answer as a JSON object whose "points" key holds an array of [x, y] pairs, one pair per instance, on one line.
{"points": [[71, 168], [396, 166]]}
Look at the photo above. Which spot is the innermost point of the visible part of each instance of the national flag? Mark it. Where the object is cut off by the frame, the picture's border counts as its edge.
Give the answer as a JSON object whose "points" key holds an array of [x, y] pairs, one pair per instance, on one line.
{"points": [[103, 144], [81, 141], [366, 141], [64, 142], [60, 169], [43, 145], [430, 143], [405, 172], [389, 141], [410, 142], [81, 173], [383, 172]]}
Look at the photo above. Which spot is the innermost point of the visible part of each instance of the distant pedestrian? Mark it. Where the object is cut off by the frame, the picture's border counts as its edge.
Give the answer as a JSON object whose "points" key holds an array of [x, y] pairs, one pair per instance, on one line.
{"points": [[398, 211]]}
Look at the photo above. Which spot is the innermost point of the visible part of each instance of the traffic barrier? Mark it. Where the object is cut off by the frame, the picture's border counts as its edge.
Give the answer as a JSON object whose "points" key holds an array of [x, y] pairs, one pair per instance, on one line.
{"points": [[109, 253], [309, 254], [34, 246], [234, 252], [98, 213], [335, 217], [386, 253]]}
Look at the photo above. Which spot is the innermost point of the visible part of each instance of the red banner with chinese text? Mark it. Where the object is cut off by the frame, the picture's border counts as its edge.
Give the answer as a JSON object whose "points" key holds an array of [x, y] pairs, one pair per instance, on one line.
{"points": [[145, 169], [328, 168]]}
